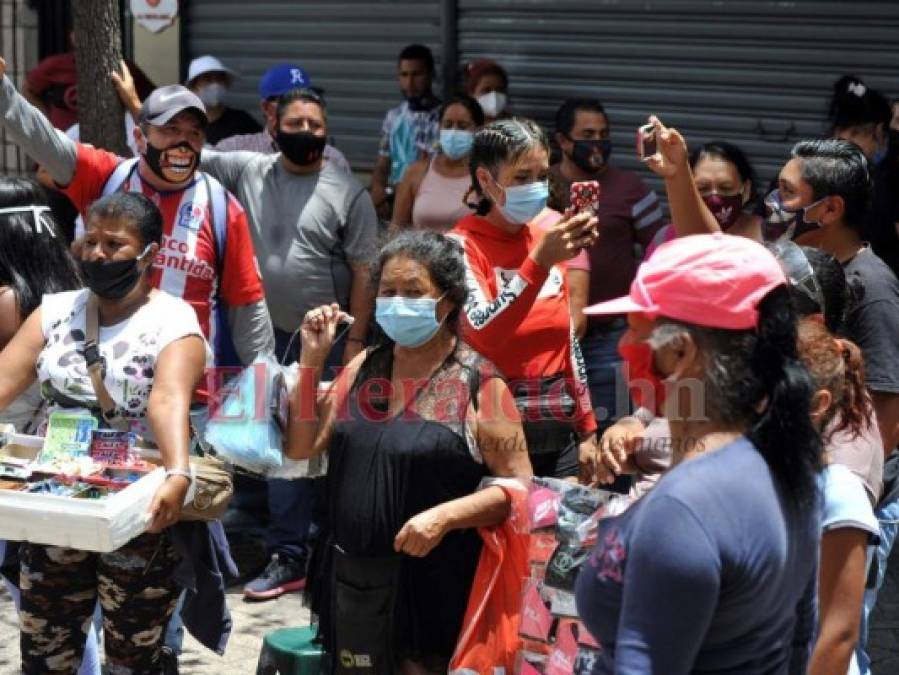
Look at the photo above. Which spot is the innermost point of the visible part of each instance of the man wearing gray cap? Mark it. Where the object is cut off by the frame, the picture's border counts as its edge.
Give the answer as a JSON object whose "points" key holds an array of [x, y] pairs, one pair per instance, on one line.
{"points": [[315, 228], [207, 255]]}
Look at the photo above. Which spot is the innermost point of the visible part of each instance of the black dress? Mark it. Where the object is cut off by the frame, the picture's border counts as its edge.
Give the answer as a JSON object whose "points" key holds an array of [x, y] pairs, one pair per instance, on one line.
{"points": [[382, 471]]}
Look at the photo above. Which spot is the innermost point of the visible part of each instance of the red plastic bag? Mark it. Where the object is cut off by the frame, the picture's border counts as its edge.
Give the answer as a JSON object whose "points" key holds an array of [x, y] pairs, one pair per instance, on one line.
{"points": [[489, 640]]}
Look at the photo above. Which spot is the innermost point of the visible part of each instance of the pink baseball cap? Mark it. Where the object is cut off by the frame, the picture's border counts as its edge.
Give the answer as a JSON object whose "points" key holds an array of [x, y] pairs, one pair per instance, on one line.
{"points": [[714, 280]]}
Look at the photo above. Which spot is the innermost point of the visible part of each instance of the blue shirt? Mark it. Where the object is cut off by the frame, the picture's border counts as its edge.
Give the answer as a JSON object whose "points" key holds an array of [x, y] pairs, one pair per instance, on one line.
{"points": [[846, 504], [711, 572]]}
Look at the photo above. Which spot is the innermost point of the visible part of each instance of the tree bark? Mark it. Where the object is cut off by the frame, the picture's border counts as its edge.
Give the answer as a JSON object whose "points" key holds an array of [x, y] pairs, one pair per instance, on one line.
{"points": [[98, 51]]}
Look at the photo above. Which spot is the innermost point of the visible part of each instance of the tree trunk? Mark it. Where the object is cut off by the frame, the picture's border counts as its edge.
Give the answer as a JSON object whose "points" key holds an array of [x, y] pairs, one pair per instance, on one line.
{"points": [[98, 51]]}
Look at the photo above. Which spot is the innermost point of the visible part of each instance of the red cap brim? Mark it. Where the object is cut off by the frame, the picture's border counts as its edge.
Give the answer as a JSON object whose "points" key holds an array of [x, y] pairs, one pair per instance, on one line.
{"points": [[622, 305]]}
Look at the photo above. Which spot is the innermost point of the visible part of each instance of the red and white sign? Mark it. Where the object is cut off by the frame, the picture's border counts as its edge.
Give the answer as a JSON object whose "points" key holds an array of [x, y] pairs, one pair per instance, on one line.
{"points": [[154, 15]]}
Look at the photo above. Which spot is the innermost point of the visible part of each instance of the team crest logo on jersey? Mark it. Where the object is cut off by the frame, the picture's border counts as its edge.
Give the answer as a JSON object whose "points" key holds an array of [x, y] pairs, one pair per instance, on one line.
{"points": [[190, 216]]}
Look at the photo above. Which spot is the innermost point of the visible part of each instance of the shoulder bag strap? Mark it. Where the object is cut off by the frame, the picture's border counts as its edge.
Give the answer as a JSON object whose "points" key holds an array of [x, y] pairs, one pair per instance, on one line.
{"points": [[95, 365]]}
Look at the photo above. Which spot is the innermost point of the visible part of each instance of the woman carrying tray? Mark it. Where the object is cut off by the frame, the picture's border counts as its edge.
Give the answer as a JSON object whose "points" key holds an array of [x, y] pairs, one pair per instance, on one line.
{"points": [[152, 355], [34, 260]]}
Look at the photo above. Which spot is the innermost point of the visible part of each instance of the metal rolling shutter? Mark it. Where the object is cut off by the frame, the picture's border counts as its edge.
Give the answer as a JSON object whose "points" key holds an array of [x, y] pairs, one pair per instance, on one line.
{"points": [[349, 49], [757, 73]]}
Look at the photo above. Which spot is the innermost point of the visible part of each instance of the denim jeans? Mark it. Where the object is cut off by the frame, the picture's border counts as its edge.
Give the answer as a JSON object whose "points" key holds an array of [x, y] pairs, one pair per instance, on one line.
{"points": [[888, 517], [608, 392]]}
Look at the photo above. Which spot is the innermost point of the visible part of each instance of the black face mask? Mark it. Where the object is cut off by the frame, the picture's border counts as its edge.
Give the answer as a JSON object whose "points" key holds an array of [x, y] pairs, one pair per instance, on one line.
{"points": [[153, 155], [112, 280], [585, 156], [302, 148]]}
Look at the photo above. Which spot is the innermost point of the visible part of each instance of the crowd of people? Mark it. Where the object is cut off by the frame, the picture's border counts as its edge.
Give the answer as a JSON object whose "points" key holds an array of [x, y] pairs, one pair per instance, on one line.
{"points": [[733, 368]]}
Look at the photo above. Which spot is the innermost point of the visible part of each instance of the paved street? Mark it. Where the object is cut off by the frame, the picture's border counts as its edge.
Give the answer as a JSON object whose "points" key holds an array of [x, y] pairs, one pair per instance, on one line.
{"points": [[253, 620]]}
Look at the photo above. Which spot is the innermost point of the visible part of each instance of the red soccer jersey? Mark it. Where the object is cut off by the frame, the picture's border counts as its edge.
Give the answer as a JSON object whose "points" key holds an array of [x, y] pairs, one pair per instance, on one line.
{"points": [[186, 263], [517, 314]]}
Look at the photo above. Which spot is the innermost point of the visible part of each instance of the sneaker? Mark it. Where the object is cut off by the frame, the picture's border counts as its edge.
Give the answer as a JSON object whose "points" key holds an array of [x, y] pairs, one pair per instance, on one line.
{"points": [[278, 578]]}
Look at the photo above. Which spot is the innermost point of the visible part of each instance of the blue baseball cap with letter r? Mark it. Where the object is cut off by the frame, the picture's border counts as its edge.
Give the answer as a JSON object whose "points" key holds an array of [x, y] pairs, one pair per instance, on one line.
{"points": [[282, 78]]}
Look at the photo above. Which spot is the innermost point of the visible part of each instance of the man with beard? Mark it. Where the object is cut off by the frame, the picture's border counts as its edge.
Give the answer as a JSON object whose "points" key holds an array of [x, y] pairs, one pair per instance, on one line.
{"points": [[314, 228], [629, 217], [170, 137], [206, 256]]}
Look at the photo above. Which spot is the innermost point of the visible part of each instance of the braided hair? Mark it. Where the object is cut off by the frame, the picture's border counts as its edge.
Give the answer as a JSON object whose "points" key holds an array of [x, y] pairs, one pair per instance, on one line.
{"points": [[499, 142]]}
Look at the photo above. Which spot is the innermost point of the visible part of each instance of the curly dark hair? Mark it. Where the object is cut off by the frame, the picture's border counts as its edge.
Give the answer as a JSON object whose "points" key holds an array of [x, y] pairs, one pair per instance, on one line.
{"points": [[441, 255]]}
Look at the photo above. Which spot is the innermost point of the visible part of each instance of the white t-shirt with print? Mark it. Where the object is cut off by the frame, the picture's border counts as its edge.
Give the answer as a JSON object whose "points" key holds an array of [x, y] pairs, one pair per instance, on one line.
{"points": [[129, 348]]}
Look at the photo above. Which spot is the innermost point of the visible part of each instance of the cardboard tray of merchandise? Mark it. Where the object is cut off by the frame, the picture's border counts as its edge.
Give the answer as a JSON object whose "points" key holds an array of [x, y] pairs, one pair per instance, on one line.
{"points": [[101, 526]]}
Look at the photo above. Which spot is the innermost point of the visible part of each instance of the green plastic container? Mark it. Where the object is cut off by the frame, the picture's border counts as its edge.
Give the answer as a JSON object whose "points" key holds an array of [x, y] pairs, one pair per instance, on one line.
{"points": [[290, 651]]}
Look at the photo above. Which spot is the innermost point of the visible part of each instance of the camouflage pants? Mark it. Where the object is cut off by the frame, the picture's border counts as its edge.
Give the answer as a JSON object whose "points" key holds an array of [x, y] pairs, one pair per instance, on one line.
{"points": [[60, 587]]}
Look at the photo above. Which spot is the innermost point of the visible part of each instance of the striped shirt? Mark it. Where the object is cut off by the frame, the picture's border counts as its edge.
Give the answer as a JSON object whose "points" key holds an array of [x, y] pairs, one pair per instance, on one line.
{"points": [[186, 264], [629, 215]]}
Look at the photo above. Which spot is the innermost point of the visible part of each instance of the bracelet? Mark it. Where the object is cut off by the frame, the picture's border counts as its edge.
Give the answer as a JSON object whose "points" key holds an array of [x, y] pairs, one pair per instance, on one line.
{"points": [[180, 472]]}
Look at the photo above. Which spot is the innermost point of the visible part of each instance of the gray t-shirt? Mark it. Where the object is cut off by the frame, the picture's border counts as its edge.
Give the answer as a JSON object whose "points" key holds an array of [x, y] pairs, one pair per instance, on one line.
{"points": [[306, 229], [873, 322]]}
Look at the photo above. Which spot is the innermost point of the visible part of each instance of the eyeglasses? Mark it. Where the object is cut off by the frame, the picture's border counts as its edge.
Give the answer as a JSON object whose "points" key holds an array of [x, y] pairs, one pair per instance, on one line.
{"points": [[40, 227], [798, 270]]}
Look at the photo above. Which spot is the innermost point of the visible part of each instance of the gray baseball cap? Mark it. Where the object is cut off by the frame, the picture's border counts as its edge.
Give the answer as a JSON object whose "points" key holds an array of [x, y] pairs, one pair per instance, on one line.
{"points": [[166, 102]]}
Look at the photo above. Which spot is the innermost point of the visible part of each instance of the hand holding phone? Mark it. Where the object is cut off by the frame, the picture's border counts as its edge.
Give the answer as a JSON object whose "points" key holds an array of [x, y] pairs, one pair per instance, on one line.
{"points": [[647, 145], [662, 149], [584, 196]]}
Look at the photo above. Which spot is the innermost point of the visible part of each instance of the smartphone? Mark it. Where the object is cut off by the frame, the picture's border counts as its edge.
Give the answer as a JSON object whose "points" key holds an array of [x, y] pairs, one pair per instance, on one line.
{"points": [[584, 196], [646, 142]]}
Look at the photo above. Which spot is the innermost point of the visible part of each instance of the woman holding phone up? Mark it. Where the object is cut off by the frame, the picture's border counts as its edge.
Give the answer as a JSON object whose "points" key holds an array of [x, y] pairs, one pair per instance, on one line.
{"points": [[517, 314]]}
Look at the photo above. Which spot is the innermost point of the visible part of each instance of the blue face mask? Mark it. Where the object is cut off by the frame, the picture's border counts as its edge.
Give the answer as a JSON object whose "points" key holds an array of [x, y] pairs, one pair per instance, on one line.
{"points": [[456, 143], [410, 322], [524, 202]]}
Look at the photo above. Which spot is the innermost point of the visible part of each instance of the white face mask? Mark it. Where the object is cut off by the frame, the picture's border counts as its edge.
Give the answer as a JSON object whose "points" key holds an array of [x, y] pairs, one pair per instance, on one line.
{"points": [[493, 103], [212, 95]]}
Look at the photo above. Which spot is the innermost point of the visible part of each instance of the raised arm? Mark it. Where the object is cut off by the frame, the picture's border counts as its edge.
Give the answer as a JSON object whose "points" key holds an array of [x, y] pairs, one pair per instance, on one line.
{"points": [[491, 320], [689, 214], [28, 128], [312, 416], [227, 167]]}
